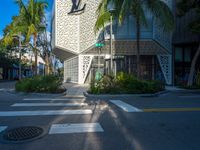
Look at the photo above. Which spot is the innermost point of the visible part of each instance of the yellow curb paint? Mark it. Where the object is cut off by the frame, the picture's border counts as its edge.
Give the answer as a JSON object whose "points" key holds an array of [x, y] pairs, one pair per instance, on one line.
{"points": [[171, 109]]}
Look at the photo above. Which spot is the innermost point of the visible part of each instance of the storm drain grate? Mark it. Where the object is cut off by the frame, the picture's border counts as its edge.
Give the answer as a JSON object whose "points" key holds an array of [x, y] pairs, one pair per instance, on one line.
{"points": [[23, 133]]}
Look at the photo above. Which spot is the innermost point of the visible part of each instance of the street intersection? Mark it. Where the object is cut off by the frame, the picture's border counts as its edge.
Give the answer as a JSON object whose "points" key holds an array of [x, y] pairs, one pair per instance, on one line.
{"points": [[169, 121]]}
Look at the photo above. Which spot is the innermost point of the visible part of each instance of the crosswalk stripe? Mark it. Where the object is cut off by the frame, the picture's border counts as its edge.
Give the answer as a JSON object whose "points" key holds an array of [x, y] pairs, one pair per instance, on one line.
{"points": [[126, 107], [44, 113], [2, 128], [74, 96], [75, 128], [47, 104], [52, 99], [190, 96]]}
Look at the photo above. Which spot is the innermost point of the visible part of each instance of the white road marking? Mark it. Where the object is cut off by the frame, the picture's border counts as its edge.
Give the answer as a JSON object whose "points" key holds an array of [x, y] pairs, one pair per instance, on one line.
{"points": [[47, 104], [44, 113], [2, 128], [190, 96], [126, 107], [74, 96], [52, 99], [75, 128]]}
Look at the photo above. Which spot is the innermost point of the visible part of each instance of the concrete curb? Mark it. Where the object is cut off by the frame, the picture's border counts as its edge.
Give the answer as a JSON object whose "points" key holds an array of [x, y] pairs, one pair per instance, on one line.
{"points": [[37, 94], [101, 96]]}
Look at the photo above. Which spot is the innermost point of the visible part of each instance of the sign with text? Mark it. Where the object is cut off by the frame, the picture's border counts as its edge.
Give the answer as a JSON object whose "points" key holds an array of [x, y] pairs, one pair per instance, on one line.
{"points": [[99, 45], [76, 7]]}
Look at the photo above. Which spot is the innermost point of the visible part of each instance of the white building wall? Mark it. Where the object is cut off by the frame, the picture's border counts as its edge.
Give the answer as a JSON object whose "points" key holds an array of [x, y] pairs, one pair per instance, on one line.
{"points": [[67, 26], [87, 23], [71, 70], [163, 38]]}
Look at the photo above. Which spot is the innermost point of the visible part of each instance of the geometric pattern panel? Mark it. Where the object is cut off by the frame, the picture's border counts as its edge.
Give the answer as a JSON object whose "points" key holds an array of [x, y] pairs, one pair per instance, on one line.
{"points": [[162, 37], [66, 26], [165, 62], [87, 23], [71, 70], [75, 32], [85, 62]]}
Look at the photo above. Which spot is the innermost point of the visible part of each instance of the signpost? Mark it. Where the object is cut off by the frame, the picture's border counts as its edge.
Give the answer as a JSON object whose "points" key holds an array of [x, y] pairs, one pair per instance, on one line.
{"points": [[98, 74]]}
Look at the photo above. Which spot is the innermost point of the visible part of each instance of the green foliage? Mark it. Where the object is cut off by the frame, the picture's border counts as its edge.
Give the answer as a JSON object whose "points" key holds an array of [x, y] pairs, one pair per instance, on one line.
{"points": [[41, 84], [184, 6], [198, 79], [137, 9], [124, 84]]}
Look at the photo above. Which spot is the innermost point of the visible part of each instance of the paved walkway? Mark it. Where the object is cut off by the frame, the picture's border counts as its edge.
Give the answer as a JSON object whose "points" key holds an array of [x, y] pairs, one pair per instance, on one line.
{"points": [[76, 89], [173, 88], [7, 85]]}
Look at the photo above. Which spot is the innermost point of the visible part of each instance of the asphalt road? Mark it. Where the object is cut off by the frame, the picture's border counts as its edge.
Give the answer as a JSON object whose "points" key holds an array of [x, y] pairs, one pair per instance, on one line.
{"points": [[168, 122]]}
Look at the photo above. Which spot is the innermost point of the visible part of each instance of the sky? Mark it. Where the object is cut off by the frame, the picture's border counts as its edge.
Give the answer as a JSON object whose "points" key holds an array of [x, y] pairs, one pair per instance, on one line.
{"points": [[8, 8]]}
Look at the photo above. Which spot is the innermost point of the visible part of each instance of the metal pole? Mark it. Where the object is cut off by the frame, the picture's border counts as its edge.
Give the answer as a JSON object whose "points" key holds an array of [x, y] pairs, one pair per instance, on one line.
{"points": [[20, 66], [111, 47], [99, 60]]}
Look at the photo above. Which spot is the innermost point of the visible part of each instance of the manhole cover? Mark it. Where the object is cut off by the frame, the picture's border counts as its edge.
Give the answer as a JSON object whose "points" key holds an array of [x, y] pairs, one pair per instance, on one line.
{"points": [[23, 133]]}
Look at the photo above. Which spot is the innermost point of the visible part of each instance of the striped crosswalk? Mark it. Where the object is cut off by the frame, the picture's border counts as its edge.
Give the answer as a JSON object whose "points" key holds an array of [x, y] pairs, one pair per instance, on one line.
{"points": [[44, 113], [124, 106], [65, 106], [47, 104], [75, 128]]}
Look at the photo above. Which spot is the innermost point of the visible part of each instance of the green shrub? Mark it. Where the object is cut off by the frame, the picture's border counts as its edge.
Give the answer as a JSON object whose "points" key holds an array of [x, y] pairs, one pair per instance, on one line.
{"points": [[47, 84], [124, 84], [198, 80]]}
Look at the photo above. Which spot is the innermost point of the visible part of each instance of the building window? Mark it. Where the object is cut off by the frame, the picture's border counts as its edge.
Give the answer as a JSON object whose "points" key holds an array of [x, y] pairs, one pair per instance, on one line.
{"points": [[187, 55], [178, 54]]}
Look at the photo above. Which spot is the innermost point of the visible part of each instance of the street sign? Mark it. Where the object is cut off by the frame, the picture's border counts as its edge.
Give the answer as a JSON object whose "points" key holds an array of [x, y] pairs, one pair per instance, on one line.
{"points": [[98, 76], [99, 45]]}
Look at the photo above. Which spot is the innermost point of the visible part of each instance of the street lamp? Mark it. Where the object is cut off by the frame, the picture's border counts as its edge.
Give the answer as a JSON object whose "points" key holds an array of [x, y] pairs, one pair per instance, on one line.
{"points": [[111, 9], [19, 47]]}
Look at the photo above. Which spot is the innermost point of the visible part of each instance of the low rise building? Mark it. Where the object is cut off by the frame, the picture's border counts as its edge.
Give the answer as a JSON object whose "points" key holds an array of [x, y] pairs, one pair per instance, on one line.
{"points": [[74, 39]]}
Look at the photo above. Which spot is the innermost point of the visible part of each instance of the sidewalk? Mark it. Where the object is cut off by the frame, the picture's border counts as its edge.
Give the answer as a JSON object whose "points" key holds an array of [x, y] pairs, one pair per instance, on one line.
{"points": [[7, 85], [174, 88], [75, 89]]}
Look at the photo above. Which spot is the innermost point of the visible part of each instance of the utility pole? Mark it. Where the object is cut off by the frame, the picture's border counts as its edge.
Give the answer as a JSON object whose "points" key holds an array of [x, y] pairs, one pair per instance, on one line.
{"points": [[111, 8], [20, 55], [111, 47]]}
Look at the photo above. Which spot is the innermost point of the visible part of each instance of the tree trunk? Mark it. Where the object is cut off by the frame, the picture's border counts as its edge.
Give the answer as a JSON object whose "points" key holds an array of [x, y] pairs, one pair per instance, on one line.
{"points": [[47, 64], [138, 47], [192, 68], [36, 54]]}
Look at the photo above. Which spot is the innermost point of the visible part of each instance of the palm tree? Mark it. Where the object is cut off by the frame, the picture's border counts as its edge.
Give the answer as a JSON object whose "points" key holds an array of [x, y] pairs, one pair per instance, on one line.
{"points": [[32, 16], [137, 9], [16, 27], [185, 6]]}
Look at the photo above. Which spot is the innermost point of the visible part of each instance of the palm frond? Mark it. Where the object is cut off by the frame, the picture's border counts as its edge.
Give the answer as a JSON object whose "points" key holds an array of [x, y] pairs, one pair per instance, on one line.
{"points": [[162, 13], [103, 19]]}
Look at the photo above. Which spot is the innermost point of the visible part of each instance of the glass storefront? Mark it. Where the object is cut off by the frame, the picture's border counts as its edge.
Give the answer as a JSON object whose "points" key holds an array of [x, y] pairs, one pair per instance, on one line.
{"points": [[183, 58]]}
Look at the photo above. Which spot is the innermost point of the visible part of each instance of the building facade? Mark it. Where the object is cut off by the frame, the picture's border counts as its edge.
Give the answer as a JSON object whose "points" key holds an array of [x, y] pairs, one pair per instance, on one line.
{"points": [[185, 44], [74, 39]]}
